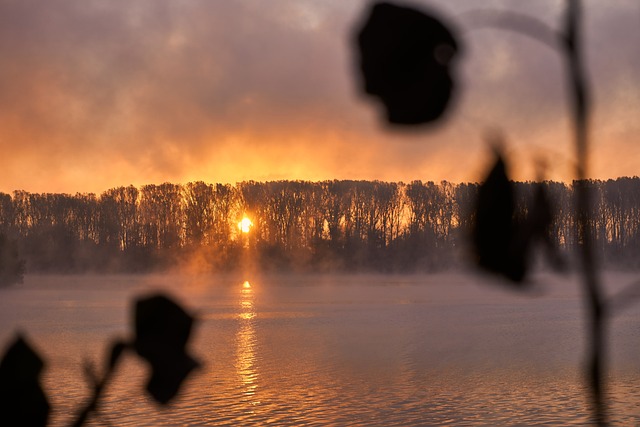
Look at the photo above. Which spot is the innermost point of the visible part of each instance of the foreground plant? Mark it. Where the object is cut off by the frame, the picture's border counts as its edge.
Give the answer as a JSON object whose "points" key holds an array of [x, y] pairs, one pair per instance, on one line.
{"points": [[22, 400], [162, 330], [405, 59]]}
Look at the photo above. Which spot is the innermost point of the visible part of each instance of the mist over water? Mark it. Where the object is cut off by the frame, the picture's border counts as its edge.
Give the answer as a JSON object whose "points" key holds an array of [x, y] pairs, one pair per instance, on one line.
{"points": [[442, 349]]}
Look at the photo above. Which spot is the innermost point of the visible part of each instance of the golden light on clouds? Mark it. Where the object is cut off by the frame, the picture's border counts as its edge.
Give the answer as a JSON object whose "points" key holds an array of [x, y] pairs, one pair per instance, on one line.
{"points": [[99, 95]]}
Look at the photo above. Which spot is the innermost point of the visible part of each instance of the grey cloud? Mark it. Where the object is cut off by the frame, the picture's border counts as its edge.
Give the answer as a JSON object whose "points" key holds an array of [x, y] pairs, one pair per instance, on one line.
{"points": [[136, 82]]}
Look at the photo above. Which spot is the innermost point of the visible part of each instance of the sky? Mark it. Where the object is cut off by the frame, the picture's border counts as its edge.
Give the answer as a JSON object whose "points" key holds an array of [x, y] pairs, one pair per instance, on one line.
{"points": [[97, 94]]}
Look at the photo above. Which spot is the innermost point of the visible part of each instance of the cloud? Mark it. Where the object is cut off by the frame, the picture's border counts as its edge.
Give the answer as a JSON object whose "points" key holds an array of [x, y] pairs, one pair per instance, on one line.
{"points": [[97, 94]]}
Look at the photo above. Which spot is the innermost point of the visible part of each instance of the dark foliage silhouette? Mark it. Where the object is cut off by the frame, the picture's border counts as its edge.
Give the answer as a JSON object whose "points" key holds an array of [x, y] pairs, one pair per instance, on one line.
{"points": [[162, 332], [508, 253], [405, 58], [498, 245], [540, 221], [503, 242], [22, 400]]}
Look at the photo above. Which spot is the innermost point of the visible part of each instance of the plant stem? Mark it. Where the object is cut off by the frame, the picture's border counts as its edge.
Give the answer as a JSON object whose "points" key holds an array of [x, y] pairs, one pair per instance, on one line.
{"points": [[114, 355], [518, 23], [594, 300]]}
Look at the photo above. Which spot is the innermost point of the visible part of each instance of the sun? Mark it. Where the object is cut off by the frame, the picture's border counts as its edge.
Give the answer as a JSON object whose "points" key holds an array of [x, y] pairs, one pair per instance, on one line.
{"points": [[245, 225]]}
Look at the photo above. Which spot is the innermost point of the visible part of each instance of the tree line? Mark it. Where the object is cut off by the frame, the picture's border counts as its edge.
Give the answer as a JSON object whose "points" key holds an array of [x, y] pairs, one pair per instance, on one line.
{"points": [[337, 225]]}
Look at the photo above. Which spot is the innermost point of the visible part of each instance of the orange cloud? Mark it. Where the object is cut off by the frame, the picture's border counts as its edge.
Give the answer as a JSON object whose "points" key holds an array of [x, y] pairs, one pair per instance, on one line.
{"points": [[96, 95]]}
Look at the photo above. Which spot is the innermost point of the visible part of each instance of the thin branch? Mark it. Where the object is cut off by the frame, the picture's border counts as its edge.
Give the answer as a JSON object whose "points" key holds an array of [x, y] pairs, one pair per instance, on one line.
{"points": [[595, 303], [512, 21], [98, 386]]}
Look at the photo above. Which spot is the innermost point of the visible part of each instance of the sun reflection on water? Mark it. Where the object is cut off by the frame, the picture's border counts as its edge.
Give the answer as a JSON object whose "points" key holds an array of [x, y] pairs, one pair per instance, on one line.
{"points": [[246, 342]]}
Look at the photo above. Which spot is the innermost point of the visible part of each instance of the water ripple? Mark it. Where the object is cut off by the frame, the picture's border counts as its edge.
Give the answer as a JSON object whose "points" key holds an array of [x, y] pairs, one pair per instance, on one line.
{"points": [[392, 354]]}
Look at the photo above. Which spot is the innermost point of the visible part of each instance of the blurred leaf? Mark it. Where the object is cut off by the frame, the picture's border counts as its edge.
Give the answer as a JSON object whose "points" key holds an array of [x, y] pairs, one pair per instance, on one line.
{"points": [[541, 215], [539, 222], [162, 331], [22, 400], [405, 59], [498, 246], [503, 245]]}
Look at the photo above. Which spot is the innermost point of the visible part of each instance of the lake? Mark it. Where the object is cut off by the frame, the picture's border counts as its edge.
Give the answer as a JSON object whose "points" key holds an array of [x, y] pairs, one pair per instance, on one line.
{"points": [[352, 350]]}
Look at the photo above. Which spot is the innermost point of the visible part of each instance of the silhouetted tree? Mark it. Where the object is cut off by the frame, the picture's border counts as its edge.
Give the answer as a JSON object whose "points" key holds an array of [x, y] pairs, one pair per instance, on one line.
{"points": [[329, 225]]}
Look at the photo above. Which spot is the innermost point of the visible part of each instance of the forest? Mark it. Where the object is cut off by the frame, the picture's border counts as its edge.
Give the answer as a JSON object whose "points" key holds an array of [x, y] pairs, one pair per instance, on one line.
{"points": [[328, 226]]}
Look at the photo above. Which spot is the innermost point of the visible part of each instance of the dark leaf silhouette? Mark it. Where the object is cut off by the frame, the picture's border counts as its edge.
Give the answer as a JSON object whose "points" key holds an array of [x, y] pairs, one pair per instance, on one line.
{"points": [[503, 244], [22, 400], [162, 331], [498, 245], [539, 221], [541, 215], [405, 59]]}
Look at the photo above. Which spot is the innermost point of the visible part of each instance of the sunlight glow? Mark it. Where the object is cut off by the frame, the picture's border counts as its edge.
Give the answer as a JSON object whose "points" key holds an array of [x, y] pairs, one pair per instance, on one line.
{"points": [[246, 303], [246, 340], [245, 225]]}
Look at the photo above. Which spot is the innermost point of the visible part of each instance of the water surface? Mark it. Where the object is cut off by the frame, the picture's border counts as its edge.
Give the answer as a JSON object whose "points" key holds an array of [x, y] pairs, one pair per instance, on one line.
{"points": [[449, 349]]}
